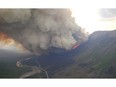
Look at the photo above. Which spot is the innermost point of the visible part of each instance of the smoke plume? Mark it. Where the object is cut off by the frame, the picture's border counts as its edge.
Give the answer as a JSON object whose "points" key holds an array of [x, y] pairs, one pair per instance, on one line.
{"points": [[40, 29]]}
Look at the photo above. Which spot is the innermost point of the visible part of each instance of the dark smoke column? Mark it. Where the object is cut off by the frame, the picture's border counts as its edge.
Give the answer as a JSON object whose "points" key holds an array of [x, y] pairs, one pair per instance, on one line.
{"points": [[40, 29]]}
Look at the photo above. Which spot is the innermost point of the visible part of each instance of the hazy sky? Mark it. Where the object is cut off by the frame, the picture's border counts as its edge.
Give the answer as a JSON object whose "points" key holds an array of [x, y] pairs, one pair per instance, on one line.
{"points": [[94, 19]]}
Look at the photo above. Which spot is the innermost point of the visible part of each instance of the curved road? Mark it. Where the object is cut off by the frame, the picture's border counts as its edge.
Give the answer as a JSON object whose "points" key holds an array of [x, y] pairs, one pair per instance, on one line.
{"points": [[34, 69]]}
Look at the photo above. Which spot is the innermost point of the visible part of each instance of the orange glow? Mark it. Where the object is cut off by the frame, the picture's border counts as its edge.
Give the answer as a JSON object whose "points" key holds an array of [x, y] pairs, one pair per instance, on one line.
{"points": [[6, 40], [75, 46]]}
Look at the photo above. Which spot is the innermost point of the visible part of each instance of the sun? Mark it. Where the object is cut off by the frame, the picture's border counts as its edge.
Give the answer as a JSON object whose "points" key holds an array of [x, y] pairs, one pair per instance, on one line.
{"points": [[87, 18]]}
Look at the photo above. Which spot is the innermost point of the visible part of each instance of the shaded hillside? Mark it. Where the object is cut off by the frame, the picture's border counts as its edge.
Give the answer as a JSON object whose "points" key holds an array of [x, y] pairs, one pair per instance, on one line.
{"points": [[8, 59], [95, 58]]}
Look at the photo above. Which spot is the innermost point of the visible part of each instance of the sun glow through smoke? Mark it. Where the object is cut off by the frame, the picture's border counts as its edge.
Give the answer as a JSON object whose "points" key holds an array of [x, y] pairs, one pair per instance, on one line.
{"points": [[91, 20], [86, 18]]}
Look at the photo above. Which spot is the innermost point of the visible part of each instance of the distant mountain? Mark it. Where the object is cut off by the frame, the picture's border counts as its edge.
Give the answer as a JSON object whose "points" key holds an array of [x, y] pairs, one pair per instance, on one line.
{"points": [[94, 58]]}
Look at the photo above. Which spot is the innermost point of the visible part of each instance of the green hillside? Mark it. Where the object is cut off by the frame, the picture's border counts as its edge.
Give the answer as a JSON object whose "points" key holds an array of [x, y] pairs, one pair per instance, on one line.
{"points": [[95, 58]]}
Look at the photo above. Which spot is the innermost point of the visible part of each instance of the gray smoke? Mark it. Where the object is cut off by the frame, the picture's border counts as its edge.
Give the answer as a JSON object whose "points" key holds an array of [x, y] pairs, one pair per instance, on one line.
{"points": [[40, 29]]}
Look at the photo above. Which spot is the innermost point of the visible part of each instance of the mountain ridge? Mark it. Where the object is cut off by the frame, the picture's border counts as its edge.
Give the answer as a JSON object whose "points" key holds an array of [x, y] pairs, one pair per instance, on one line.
{"points": [[95, 58]]}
